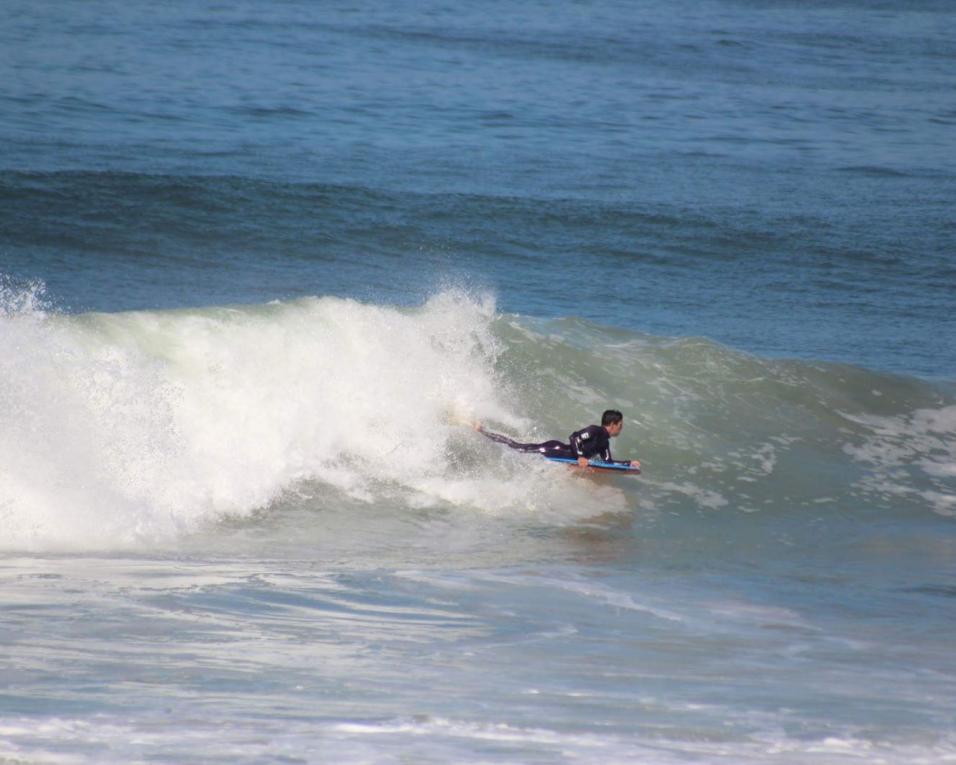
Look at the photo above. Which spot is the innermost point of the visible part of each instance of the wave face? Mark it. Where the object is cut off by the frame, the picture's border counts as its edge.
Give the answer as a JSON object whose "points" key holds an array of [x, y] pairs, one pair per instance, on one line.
{"points": [[137, 428]]}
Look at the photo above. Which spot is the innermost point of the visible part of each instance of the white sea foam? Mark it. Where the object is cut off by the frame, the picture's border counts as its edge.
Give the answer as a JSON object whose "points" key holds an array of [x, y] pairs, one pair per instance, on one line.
{"points": [[116, 428], [891, 447], [105, 739]]}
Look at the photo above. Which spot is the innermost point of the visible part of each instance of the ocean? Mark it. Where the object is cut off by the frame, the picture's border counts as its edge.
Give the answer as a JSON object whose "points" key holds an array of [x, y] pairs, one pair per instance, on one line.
{"points": [[262, 263]]}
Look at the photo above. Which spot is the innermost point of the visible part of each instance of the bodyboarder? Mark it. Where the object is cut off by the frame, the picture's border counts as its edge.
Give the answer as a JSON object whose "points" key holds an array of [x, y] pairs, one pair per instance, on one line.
{"points": [[583, 445]]}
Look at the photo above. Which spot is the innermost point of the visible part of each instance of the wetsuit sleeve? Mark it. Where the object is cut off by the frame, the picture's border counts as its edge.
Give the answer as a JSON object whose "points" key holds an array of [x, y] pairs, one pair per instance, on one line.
{"points": [[588, 442], [593, 441], [606, 453], [609, 459]]}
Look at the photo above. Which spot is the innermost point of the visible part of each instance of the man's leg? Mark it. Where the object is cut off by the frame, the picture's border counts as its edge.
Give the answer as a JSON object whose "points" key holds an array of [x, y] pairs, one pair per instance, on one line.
{"points": [[548, 448]]}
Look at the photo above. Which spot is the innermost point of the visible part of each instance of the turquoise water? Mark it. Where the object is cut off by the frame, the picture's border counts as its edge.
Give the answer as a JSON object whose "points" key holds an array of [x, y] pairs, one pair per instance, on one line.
{"points": [[259, 264]]}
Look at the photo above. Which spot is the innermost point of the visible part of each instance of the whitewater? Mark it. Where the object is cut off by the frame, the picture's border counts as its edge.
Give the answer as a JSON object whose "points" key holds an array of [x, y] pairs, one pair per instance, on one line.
{"points": [[129, 428]]}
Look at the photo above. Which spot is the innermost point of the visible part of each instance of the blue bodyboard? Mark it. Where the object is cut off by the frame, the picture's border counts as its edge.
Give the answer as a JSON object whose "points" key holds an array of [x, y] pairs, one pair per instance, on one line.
{"points": [[599, 466]]}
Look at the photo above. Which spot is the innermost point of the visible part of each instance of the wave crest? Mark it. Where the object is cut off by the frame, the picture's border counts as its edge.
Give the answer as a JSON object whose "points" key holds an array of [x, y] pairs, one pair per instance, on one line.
{"points": [[127, 428]]}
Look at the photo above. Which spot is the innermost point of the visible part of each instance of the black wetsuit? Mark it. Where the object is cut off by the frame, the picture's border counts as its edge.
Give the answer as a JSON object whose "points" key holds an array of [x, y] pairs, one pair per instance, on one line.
{"points": [[592, 441]]}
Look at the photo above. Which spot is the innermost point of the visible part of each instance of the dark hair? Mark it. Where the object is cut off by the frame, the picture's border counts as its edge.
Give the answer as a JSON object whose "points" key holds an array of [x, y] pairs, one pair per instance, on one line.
{"points": [[611, 416]]}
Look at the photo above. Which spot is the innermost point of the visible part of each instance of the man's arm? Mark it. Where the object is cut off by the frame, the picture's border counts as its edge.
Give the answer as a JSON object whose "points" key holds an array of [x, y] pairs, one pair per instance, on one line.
{"points": [[606, 456], [588, 443]]}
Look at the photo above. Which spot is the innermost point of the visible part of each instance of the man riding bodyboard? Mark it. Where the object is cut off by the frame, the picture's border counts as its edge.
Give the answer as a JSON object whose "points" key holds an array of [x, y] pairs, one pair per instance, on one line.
{"points": [[591, 442]]}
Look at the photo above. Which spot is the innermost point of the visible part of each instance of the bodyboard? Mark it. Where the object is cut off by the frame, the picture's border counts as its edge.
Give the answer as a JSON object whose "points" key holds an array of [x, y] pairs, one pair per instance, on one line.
{"points": [[599, 466]]}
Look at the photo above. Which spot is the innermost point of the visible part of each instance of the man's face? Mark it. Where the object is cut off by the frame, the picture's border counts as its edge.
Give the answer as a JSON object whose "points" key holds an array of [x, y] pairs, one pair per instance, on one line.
{"points": [[615, 428]]}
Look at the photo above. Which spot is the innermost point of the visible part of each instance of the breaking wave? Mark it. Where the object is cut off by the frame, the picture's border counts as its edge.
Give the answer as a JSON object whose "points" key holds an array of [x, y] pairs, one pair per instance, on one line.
{"points": [[130, 428]]}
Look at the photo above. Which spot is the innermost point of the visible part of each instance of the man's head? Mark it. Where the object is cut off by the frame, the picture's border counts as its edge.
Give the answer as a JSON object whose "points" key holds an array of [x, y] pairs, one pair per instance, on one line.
{"points": [[613, 421]]}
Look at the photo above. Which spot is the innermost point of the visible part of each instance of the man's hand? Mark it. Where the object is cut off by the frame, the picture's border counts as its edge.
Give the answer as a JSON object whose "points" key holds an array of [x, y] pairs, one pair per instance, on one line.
{"points": [[636, 464], [583, 461]]}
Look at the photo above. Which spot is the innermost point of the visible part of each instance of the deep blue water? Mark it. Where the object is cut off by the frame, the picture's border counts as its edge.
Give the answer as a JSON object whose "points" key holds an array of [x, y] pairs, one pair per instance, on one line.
{"points": [[258, 264], [756, 173]]}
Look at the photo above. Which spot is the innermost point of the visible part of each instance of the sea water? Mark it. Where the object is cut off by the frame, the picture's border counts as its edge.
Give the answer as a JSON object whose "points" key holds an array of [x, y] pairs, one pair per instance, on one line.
{"points": [[260, 266]]}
